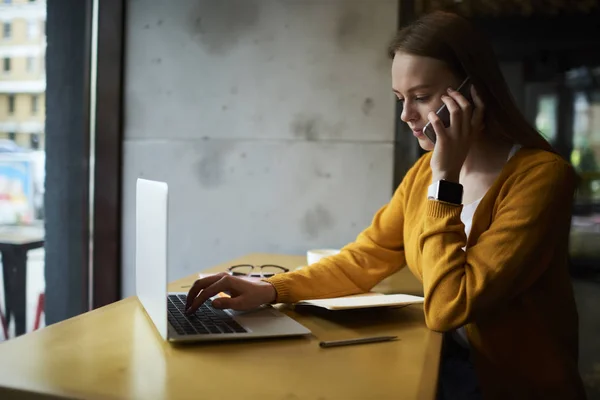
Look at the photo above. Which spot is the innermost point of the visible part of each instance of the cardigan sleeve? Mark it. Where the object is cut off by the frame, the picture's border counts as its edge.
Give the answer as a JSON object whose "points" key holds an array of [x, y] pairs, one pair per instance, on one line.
{"points": [[532, 219], [377, 252]]}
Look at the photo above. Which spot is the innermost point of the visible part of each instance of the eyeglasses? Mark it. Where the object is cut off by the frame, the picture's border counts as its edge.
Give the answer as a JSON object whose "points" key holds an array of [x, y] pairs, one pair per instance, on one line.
{"points": [[265, 271]]}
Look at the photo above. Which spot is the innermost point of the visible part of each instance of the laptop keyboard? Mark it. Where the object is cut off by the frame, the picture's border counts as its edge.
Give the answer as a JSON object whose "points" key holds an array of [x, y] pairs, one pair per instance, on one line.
{"points": [[206, 319]]}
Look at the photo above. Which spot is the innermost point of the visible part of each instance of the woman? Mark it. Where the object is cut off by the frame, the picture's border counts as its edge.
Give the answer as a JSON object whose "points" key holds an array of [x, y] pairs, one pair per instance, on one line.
{"points": [[482, 220]]}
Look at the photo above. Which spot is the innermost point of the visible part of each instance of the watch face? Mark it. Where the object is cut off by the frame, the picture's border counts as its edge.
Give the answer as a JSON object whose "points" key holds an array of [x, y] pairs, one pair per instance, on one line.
{"points": [[450, 192]]}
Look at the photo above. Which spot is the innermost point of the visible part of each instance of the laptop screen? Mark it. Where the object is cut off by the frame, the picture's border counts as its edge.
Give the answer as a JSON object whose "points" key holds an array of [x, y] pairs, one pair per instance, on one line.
{"points": [[151, 211]]}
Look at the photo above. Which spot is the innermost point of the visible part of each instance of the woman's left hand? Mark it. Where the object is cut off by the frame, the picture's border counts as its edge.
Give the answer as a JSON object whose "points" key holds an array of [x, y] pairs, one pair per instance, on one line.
{"points": [[453, 143]]}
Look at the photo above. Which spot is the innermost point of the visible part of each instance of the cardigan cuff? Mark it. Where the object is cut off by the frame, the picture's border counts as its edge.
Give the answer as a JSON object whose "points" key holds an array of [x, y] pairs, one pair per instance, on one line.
{"points": [[441, 209], [281, 290]]}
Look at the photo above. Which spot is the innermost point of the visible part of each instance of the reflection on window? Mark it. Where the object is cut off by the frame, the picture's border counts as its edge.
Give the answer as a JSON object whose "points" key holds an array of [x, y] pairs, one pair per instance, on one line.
{"points": [[545, 120]]}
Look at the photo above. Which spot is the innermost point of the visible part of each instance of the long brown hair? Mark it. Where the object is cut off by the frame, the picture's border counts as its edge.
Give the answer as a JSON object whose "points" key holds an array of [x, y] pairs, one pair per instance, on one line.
{"points": [[452, 39]]}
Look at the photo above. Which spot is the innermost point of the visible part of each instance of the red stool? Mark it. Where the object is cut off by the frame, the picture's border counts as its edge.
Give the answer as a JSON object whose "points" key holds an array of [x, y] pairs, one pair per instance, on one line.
{"points": [[38, 311]]}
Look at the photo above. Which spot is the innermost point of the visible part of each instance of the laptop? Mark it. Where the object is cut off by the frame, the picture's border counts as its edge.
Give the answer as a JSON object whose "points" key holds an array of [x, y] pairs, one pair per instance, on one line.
{"points": [[165, 309]]}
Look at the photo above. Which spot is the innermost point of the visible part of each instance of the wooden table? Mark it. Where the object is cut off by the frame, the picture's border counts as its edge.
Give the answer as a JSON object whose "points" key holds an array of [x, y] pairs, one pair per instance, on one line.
{"points": [[114, 353], [15, 243]]}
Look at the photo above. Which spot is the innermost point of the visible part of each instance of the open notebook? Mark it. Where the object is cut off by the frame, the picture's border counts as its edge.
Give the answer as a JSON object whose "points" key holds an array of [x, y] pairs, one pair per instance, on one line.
{"points": [[364, 301]]}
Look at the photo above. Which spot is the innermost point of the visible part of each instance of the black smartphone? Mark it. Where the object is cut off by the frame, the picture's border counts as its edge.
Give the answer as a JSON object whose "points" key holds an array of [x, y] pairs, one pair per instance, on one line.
{"points": [[442, 112]]}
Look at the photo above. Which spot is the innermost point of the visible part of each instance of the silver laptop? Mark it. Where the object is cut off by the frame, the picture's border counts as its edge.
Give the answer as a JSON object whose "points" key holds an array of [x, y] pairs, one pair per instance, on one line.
{"points": [[165, 309]]}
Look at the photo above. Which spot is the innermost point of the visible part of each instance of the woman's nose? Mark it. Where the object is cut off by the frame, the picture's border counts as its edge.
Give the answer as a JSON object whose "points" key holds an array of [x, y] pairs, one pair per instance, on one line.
{"points": [[408, 113]]}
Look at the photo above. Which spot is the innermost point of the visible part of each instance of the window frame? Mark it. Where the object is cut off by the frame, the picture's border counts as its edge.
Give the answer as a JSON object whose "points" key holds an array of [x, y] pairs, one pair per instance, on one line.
{"points": [[83, 120]]}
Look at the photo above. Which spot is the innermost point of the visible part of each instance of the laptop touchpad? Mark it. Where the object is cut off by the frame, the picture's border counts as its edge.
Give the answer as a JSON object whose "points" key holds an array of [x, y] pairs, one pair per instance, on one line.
{"points": [[266, 312]]}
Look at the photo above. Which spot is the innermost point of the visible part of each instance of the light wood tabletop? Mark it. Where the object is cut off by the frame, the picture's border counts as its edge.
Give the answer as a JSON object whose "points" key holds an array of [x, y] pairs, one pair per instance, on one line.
{"points": [[114, 353]]}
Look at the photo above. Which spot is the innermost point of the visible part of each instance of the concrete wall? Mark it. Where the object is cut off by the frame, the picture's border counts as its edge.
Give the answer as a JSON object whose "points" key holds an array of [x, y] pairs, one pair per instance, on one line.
{"points": [[272, 122]]}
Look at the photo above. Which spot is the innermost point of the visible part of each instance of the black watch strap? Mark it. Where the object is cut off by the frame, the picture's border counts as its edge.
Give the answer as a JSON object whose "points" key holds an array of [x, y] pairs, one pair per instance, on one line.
{"points": [[446, 191]]}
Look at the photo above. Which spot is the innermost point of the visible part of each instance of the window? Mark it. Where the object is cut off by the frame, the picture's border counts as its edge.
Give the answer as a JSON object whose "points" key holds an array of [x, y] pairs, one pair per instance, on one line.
{"points": [[34, 141], [30, 64], [22, 124], [11, 103], [34, 104], [6, 30], [545, 120], [33, 29]]}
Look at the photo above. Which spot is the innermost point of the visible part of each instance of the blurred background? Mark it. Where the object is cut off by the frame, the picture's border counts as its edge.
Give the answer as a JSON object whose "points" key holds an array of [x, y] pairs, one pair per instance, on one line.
{"points": [[272, 121]]}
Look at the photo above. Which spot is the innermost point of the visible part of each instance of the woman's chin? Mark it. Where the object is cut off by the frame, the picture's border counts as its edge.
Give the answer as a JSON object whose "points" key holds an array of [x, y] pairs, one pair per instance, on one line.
{"points": [[425, 144]]}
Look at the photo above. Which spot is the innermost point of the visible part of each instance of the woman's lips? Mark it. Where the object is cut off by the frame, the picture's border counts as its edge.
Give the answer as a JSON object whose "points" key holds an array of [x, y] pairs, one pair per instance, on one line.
{"points": [[418, 133]]}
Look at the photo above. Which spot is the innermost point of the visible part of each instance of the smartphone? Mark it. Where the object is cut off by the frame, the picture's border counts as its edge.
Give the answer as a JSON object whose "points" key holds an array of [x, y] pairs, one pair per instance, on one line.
{"points": [[442, 112]]}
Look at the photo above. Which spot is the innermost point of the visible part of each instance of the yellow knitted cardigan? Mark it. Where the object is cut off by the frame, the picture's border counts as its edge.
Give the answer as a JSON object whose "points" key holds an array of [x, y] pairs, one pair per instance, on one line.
{"points": [[510, 289]]}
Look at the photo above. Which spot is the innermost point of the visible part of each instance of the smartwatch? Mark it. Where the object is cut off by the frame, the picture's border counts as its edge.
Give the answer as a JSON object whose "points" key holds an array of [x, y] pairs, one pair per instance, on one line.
{"points": [[446, 191]]}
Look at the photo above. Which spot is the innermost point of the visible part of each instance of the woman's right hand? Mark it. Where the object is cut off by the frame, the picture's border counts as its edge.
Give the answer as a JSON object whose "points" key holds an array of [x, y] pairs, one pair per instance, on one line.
{"points": [[245, 294]]}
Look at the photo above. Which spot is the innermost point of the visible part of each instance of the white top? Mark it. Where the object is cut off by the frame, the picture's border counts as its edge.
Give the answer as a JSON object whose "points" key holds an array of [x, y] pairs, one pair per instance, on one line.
{"points": [[466, 216]]}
